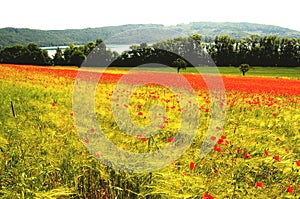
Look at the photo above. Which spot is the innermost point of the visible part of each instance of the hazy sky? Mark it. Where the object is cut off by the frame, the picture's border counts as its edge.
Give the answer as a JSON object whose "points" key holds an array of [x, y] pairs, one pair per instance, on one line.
{"points": [[62, 14]]}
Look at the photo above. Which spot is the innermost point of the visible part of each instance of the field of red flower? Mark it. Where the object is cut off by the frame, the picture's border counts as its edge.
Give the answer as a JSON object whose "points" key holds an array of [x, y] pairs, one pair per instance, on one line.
{"points": [[255, 153], [244, 84]]}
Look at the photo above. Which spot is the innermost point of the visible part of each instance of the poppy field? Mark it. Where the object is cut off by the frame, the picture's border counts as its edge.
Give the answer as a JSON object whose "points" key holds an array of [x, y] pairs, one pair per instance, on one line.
{"points": [[44, 152]]}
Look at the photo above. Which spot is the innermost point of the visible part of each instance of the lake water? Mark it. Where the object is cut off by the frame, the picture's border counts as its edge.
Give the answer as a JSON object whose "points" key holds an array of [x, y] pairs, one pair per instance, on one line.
{"points": [[114, 47]]}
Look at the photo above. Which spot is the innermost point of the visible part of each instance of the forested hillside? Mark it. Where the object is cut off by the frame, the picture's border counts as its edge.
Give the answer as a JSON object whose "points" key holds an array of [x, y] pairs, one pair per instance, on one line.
{"points": [[138, 33]]}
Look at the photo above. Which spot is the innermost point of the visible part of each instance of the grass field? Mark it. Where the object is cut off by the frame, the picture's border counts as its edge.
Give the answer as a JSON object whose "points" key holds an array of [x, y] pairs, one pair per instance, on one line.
{"points": [[44, 153], [256, 71]]}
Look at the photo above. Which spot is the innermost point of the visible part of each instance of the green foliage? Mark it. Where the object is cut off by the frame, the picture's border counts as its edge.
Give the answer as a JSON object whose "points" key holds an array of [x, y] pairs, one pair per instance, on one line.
{"points": [[30, 54], [180, 64], [224, 51], [244, 68], [255, 50]]}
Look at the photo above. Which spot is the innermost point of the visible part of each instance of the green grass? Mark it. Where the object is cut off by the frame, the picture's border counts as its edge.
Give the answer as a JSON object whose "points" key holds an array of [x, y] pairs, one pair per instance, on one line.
{"points": [[256, 71]]}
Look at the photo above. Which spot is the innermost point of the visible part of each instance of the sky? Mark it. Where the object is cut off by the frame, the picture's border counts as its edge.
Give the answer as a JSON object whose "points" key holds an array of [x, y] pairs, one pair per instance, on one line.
{"points": [[62, 14]]}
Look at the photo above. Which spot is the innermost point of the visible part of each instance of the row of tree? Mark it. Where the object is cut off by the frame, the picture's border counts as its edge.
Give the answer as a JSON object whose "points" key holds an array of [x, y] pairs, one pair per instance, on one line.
{"points": [[71, 56], [255, 51], [222, 51]]}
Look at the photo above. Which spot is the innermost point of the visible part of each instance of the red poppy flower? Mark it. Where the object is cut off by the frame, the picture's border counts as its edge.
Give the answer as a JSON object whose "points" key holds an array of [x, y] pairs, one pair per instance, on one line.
{"points": [[290, 189], [218, 128], [207, 110], [97, 155], [218, 149], [276, 157], [220, 141], [266, 153], [192, 165], [92, 130], [143, 139], [171, 140], [139, 106], [247, 155], [226, 142], [207, 196], [287, 151], [213, 138], [53, 104], [277, 139], [239, 150], [140, 113], [259, 185], [86, 141], [274, 114], [298, 163], [223, 137]]}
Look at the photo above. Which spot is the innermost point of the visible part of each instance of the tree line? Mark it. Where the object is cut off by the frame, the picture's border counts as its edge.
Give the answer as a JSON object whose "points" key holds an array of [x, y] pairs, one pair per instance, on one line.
{"points": [[223, 51]]}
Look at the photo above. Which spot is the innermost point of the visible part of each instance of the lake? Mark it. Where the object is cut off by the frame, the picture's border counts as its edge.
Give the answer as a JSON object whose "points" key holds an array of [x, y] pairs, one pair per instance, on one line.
{"points": [[114, 47]]}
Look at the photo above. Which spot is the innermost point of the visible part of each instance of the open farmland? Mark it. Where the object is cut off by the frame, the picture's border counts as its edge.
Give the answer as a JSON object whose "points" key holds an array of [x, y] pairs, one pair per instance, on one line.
{"points": [[256, 153]]}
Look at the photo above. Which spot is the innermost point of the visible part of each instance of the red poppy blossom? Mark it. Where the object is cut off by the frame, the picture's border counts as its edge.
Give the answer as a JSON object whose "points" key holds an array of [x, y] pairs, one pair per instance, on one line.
{"points": [[71, 114], [171, 140], [218, 149], [86, 141], [276, 157], [290, 189], [97, 155], [143, 139], [259, 185], [218, 128], [239, 150], [226, 142], [92, 130], [274, 114], [53, 104], [287, 151], [266, 153], [192, 165], [140, 113], [213, 138], [220, 141], [298, 163], [207, 196], [223, 137], [277, 139], [247, 155]]}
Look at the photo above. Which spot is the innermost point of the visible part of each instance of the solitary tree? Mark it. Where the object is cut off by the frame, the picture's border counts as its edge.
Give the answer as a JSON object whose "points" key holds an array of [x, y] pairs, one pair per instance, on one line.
{"points": [[180, 63], [244, 68]]}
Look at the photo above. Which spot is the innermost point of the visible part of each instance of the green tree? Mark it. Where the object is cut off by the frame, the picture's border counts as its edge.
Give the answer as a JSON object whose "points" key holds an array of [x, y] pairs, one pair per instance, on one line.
{"points": [[223, 52], [37, 56], [244, 68], [17, 54], [180, 64], [58, 59], [77, 57]]}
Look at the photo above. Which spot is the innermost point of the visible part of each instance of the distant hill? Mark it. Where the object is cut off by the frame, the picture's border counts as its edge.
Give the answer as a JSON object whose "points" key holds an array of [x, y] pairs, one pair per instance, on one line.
{"points": [[137, 33]]}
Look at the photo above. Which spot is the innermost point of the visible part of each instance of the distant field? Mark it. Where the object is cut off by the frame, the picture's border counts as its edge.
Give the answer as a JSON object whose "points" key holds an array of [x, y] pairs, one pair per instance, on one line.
{"points": [[279, 72]]}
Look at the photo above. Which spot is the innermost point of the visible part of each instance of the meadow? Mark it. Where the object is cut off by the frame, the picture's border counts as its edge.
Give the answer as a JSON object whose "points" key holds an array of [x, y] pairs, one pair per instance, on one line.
{"points": [[43, 153]]}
